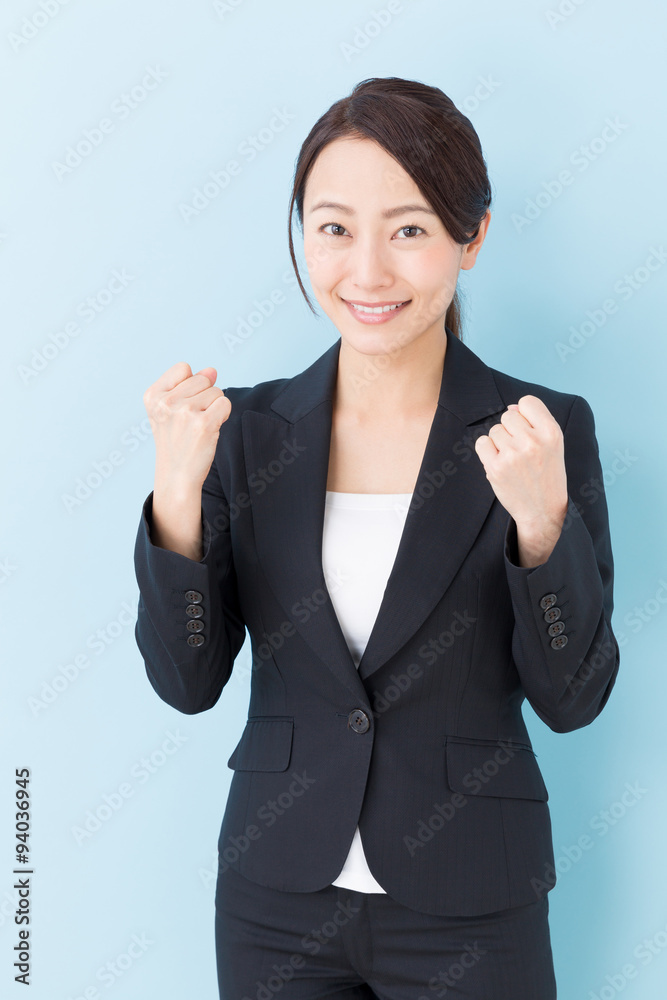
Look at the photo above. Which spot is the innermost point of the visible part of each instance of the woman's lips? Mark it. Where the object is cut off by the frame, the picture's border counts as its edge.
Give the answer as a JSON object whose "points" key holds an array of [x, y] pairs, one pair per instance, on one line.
{"points": [[371, 319]]}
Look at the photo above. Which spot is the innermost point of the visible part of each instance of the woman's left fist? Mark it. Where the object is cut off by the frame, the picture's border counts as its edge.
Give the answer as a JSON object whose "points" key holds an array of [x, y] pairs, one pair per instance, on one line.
{"points": [[523, 457]]}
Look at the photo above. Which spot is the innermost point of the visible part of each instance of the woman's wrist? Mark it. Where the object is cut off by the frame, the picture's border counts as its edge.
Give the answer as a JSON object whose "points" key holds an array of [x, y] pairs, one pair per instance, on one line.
{"points": [[177, 520]]}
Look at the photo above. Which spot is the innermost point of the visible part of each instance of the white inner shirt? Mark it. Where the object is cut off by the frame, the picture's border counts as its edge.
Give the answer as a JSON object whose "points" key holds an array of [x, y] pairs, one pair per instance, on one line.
{"points": [[362, 532]]}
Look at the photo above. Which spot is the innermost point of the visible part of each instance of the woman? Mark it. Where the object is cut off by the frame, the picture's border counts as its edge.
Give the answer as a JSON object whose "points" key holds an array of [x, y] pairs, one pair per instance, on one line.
{"points": [[400, 529]]}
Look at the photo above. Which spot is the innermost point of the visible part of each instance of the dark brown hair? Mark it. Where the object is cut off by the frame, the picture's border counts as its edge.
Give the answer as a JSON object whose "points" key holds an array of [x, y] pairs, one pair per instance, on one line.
{"points": [[432, 140]]}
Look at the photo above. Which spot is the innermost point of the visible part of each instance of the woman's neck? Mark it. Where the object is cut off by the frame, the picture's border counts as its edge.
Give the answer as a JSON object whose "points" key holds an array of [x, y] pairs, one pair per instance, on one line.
{"points": [[401, 385]]}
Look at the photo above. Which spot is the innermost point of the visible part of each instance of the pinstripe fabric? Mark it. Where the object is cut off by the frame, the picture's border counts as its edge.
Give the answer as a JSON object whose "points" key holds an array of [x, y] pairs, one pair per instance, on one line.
{"points": [[350, 945]]}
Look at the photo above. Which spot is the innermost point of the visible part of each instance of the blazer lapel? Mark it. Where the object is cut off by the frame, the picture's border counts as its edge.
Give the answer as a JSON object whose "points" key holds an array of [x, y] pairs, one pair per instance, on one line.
{"points": [[287, 460]]}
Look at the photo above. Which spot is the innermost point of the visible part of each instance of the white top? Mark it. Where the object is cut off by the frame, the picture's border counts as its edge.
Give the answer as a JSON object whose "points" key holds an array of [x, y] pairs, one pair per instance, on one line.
{"points": [[362, 532]]}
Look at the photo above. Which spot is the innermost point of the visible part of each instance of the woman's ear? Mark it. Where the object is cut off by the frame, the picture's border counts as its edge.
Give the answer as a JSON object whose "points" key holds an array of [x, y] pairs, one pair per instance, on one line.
{"points": [[470, 250]]}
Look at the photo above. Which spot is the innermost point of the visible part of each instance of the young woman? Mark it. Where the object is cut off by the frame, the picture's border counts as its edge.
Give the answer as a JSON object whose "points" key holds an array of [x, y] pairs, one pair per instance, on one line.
{"points": [[401, 530]]}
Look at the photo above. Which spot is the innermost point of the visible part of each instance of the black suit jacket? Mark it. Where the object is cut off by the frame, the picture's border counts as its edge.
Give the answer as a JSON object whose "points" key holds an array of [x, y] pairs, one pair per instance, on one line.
{"points": [[424, 746]]}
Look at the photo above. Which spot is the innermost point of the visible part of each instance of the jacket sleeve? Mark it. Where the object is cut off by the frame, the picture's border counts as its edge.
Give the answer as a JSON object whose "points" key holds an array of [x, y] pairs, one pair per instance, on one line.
{"points": [[568, 682], [186, 672]]}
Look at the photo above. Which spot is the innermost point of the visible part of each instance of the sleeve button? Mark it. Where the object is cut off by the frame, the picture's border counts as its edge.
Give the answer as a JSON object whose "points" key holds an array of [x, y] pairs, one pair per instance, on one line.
{"points": [[195, 625], [193, 597], [195, 640], [194, 610], [559, 641], [548, 601], [552, 614]]}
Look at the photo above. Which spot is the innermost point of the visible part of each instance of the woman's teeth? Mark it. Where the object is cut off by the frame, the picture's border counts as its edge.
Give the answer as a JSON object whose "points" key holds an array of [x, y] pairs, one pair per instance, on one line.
{"points": [[376, 309]]}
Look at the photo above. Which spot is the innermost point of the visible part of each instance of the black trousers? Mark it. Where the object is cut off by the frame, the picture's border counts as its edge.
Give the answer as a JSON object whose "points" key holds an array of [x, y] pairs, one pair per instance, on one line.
{"points": [[349, 945]]}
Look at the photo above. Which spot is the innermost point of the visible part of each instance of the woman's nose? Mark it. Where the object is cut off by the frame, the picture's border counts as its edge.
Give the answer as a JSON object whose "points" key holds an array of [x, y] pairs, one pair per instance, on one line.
{"points": [[368, 266]]}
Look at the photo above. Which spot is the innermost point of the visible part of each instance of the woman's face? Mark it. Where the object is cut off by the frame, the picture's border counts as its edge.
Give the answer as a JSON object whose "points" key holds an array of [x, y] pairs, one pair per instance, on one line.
{"points": [[371, 238]]}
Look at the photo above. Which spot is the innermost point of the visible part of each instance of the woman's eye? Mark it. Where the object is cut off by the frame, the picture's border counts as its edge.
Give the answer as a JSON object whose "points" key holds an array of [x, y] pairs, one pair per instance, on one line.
{"points": [[335, 226], [403, 228]]}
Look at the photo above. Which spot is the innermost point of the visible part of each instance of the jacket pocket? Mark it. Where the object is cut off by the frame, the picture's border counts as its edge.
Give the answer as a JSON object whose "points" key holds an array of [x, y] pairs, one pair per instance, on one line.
{"points": [[493, 767], [265, 744]]}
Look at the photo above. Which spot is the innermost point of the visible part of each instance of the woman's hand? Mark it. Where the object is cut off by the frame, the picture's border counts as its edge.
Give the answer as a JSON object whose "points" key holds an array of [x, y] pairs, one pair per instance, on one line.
{"points": [[186, 412], [523, 457]]}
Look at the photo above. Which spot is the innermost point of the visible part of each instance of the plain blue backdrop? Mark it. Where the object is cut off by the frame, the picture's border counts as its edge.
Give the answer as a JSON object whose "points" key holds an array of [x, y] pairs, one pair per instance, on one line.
{"points": [[124, 248]]}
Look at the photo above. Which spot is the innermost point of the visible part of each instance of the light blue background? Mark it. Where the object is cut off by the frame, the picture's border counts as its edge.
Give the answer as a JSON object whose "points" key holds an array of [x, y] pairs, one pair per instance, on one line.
{"points": [[67, 573]]}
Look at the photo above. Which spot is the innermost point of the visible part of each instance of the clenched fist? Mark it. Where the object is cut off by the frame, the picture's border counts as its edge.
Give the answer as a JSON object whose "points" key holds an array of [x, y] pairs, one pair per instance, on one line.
{"points": [[523, 457], [186, 412]]}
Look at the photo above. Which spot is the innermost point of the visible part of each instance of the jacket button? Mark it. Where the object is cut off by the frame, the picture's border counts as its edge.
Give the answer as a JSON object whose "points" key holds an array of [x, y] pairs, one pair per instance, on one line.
{"points": [[556, 628], [552, 614], [193, 597], [559, 641], [358, 720], [548, 601], [195, 640], [195, 625], [194, 610]]}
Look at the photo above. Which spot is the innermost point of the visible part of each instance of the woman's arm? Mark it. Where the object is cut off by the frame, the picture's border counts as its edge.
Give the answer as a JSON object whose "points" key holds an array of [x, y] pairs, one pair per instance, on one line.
{"points": [[568, 683], [188, 669]]}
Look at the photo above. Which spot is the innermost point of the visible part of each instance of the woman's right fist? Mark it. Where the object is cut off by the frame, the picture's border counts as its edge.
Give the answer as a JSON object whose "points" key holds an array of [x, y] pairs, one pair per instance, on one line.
{"points": [[186, 412]]}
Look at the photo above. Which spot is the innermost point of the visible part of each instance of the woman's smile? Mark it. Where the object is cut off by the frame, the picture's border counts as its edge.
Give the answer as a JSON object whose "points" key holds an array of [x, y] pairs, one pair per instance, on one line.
{"points": [[373, 313]]}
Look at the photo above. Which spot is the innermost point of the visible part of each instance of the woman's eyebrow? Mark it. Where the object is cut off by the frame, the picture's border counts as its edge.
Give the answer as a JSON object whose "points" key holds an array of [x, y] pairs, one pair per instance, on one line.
{"points": [[388, 213]]}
